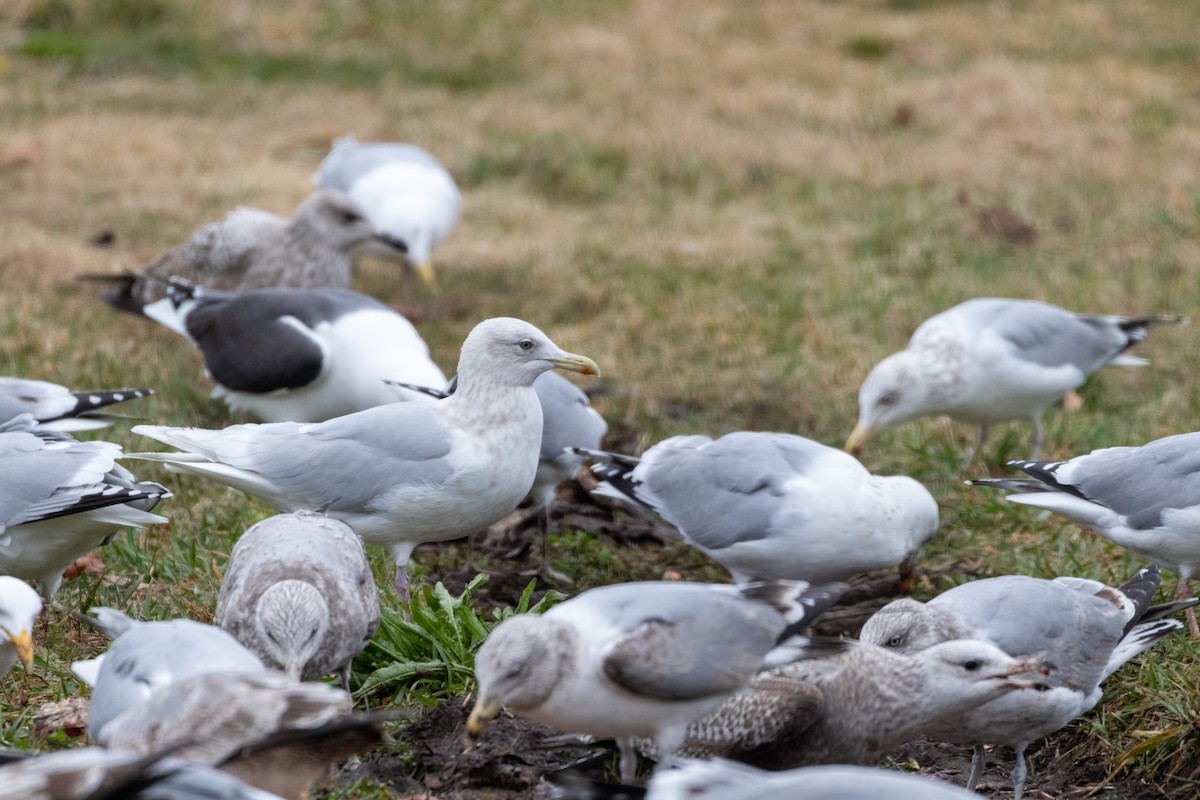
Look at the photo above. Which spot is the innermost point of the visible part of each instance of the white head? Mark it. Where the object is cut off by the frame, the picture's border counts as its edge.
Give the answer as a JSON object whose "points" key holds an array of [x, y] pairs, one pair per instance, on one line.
{"points": [[894, 392], [907, 626], [339, 223], [19, 607], [966, 673], [512, 352], [290, 621]]}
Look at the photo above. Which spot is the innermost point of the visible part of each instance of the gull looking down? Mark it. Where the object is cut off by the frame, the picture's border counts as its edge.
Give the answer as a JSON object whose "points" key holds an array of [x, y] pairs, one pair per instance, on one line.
{"points": [[404, 473], [1146, 499], [642, 659], [406, 192], [992, 360], [774, 505], [57, 407], [299, 355], [719, 779], [298, 592], [252, 249], [61, 498], [1083, 627], [19, 607]]}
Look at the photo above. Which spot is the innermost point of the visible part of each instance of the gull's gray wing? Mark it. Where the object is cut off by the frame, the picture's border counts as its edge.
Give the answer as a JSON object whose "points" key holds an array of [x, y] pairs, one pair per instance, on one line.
{"points": [[685, 643], [1024, 616], [725, 491], [348, 161], [1137, 482], [568, 419]]}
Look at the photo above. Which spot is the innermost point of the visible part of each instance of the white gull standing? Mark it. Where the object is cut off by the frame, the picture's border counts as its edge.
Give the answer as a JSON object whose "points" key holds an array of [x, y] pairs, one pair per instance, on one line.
{"points": [[57, 407], [404, 473], [992, 360], [406, 192], [1084, 628], [642, 659], [775, 505], [299, 355], [1146, 499]]}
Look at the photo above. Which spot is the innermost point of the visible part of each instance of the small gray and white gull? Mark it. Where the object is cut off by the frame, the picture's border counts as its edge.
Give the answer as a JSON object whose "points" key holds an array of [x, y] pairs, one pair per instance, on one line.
{"points": [[855, 708], [146, 656], [1083, 627], [992, 360], [95, 773], [253, 249], [1146, 499], [774, 505], [642, 659], [299, 355], [61, 498], [406, 192], [298, 592], [19, 607], [58, 408], [405, 473], [720, 779]]}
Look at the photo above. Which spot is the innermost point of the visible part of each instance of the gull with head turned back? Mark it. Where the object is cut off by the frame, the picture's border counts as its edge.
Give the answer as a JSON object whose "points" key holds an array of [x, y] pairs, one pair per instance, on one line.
{"points": [[404, 473]]}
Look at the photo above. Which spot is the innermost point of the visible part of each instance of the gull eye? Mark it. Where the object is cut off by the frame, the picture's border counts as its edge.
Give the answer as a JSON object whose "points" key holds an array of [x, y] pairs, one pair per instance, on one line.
{"points": [[350, 217], [971, 665], [887, 398], [895, 641], [526, 344]]}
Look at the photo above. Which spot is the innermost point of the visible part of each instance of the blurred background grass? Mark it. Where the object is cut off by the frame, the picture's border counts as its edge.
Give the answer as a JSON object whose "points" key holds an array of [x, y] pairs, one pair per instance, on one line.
{"points": [[734, 208]]}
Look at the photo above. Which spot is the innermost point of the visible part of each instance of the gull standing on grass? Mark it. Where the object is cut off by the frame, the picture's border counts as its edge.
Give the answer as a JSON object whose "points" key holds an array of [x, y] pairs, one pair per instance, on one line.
{"points": [[19, 607], [643, 659], [252, 249], [298, 592], [57, 408], [774, 505], [61, 498], [1146, 499], [992, 360], [406, 192], [405, 473], [299, 355]]}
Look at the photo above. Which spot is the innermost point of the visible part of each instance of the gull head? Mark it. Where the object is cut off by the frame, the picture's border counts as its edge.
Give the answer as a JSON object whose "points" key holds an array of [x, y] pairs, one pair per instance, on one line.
{"points": [[19, 607], [290, 621], [966, 673], [340, 223], [893, 393], [906, 626], [518, 666], [510, 351]]}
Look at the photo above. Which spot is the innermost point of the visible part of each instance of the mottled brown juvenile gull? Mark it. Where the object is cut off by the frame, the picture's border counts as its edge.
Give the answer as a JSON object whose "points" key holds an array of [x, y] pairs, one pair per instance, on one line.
{"points": [[1146, 499], [298, 592], [146, 656], [252, 249], [57, 407], [992, 360], [406, 192], [774, 505], [642, 659], [60, 498], [1084, 628], [404, 473], [856, 708], [19, 607], [299, 355], [719, 779]]}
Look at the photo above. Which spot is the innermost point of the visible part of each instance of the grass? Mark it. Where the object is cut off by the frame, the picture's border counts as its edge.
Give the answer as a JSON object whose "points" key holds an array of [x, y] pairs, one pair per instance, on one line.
{"points": [[721, 203]]}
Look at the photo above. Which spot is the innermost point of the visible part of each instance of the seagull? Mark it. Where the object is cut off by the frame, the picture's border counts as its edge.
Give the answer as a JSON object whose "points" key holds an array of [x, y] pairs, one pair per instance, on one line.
{"points": [[407, 194], [252, 249], [774, 505], [57, 407], [60, 499], [992, 360], [642, 659], [298, 592], [1146, 499], [1083, 627], [405, 473], [146, 656], [299, 355], [720, 779], [855, 708], [19, 607]]}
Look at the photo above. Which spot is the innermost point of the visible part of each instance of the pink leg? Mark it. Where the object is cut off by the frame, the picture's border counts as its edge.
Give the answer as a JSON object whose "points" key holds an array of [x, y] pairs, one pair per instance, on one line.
{"points": [[402, 583]]}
